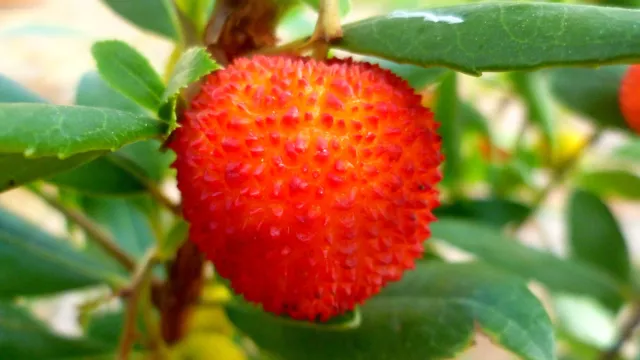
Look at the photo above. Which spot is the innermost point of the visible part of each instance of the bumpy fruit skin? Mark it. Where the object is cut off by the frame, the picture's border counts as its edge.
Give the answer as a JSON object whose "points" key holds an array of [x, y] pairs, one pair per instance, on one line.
{"points": [[308, 184], [630, 97]]}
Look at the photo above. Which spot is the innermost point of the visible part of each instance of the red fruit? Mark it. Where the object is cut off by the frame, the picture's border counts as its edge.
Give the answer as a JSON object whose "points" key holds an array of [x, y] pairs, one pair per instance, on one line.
{"points": [[630, 97], [308, 184]]}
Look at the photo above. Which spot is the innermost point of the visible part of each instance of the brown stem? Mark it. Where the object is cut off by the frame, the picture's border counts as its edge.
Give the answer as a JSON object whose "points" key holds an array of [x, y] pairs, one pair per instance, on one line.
{"points": [[625, 334], [140, 283], [102, 238], [239, 27], [182, 290]]}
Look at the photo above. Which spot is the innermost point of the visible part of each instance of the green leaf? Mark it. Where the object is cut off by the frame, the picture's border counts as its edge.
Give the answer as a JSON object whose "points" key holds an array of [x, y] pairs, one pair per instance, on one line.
{"points": [[95, 92], [124, 220], [531, 86], [12, 92], [345, 5], [431, 313], [22, 337], [192, 65], [629, 151], [595, 236], [174, 239], [418, 77], [129, 72], [611, 183], [147, 155], [158, 16], [592, 93], [103, 176], [560, 275], [33, 262], [198, 11], [499, 36], [53, 130], [446, 111], [621, 3], [492, 211], [585, 319], [18, 170]]}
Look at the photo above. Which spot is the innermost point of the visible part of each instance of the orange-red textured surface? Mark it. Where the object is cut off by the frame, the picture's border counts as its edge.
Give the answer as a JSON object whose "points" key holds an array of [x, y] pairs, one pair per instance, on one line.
{"points": [[630, 97], [309, 185]]}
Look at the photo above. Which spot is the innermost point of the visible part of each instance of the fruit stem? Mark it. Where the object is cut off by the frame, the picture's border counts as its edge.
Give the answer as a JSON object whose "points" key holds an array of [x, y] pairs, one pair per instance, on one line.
{"points": [[328, 27], [141, 283], [93, 230]]}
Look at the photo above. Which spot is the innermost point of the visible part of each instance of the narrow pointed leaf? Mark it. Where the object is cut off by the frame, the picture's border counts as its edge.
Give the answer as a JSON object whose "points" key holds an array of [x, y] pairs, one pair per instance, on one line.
{"points": [[611, 183], [55, 130], [532, 87], [197, 11], [129, 72], [18, 170], [562, 275], [492, 211], [12, 92], [595, 236], [147, 155], [94, 91], [446, 112], [158, 16], [431, 313], [499, 36], [592, 93], [124, 220], [103, 176], [33, 262], [192, 65]]}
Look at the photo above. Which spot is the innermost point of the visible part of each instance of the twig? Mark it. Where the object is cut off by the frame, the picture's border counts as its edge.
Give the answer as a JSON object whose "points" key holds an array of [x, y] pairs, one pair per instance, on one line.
{"points": [[140, 283], [151, 324], [558, 177], [625, 334], [149, 184], [102, 238], [181, 292]]}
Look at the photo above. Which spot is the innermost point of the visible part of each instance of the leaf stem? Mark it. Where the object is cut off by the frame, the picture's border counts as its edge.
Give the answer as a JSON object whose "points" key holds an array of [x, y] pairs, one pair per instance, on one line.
{"points": [[102, 238], [141, 283], [625, 334]]}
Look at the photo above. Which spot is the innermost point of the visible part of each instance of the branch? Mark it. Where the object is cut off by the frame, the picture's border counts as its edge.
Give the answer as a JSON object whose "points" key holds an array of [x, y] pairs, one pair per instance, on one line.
{"points": [[149, 184], [140, 283], [558, 177], [625, 334], [102, 238], [181, 292]]}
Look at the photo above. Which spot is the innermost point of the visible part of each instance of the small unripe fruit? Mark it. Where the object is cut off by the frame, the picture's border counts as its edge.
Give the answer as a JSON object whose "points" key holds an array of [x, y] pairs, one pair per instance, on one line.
{"points": [[630, 97], [309, 185]]}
